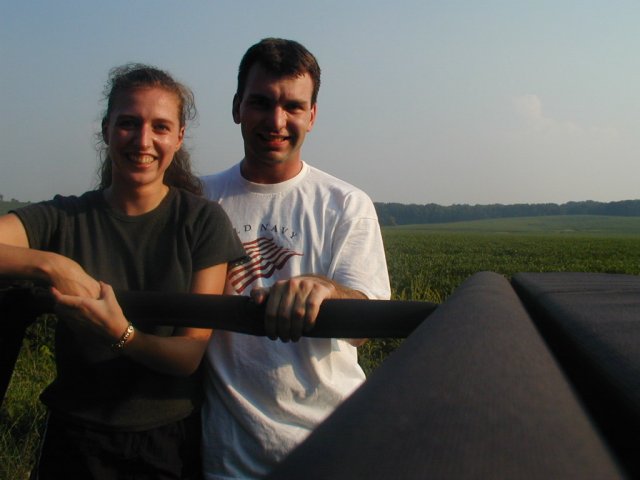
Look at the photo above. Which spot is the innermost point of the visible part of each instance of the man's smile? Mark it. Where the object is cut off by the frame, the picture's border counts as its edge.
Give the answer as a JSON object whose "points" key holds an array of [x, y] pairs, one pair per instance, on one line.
{"points": [[273, 140]]}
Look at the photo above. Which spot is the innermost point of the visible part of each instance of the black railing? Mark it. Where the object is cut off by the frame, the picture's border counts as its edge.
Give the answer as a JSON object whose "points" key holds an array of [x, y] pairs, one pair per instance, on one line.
{"points": [[20, 306]]}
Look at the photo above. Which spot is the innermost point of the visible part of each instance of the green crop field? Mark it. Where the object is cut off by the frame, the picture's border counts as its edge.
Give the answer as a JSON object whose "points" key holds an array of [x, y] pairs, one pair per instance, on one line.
{"points": [[6, 206], [438, 258], [426, 262], [568, 225]]}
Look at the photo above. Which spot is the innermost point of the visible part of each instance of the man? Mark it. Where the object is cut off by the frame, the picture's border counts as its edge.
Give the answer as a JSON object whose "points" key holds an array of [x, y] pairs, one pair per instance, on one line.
{"points": [[310, 237]]}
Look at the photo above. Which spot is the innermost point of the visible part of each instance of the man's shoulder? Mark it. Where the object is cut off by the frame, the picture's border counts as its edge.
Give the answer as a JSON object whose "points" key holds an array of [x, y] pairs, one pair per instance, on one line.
{"points": [[214, 183], [221, 175], [335, 186]]}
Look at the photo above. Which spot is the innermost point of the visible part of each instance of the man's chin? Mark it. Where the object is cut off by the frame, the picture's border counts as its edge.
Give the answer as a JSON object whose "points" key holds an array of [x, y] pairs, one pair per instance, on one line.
{"points": [[271, 159]]}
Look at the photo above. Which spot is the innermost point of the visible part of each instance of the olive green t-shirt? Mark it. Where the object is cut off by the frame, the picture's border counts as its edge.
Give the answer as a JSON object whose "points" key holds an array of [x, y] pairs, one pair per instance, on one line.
{"points": [[156, 251]]}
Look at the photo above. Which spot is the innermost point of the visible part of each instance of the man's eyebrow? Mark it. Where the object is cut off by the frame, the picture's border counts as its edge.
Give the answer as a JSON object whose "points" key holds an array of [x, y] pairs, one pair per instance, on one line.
{"points": [[266, 98], [297, 102]]}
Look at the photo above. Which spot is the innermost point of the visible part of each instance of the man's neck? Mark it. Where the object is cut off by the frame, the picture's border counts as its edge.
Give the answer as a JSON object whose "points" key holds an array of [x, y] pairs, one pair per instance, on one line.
{"points": [[269, 173]]}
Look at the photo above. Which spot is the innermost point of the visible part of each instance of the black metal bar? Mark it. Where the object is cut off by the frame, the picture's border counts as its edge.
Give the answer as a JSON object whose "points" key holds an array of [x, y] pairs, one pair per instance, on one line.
{"points": [[336, 319], [473, 393], [20, 306]]}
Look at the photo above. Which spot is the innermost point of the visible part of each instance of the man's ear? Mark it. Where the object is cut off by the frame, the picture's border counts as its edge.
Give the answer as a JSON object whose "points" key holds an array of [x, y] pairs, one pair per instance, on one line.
{"points": [[312, 120], [235, 109]]}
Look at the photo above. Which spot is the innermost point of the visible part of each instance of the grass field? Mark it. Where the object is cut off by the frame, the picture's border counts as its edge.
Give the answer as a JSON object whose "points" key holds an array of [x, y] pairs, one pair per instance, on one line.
{"points": [[568, 225], [426, 262], [6, 206], [439, 257]]}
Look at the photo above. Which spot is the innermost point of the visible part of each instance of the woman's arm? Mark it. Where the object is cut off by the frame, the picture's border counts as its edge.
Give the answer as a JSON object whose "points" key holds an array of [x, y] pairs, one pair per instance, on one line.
{"points": [[177, 355], [17, 260]]}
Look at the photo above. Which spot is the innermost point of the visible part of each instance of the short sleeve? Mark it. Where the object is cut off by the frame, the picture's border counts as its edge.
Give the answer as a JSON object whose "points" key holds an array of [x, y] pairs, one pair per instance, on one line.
{"points": [[359, 260], [215, 240], [41, 222]]}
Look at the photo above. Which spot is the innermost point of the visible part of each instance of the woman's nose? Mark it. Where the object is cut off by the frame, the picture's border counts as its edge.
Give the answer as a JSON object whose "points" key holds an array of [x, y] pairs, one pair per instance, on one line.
{"points": [[145, 136]]}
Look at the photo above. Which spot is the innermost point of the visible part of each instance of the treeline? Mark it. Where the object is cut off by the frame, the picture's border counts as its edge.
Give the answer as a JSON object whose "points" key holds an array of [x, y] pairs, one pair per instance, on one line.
{"points": [[391, 214], [5, 205]]}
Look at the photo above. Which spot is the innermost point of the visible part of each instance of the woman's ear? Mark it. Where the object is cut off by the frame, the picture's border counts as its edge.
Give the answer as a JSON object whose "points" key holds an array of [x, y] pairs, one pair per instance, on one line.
{"points": [[180, 138], [105, 131]]}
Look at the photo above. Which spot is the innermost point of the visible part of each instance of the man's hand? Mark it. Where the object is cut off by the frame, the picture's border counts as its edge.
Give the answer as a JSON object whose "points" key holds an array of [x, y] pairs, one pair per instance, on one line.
{"points": [[292, 305]]}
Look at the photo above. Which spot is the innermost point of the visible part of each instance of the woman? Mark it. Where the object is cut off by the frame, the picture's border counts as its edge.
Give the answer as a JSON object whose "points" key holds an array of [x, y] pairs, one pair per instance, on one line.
{"points": [[125, 397]]}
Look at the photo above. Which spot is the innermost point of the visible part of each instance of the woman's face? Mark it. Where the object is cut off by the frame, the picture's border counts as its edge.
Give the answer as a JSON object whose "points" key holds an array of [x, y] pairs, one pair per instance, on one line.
{"points": [[143, 133]]}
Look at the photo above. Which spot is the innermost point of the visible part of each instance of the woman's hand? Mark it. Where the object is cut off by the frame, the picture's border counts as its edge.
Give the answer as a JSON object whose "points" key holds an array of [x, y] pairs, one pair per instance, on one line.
{"points": [[101, 315], [69, 278]]}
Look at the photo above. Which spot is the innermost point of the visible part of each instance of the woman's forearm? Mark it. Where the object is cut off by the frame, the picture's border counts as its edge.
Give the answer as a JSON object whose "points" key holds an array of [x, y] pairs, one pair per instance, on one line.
{"points": [[26, 263]]}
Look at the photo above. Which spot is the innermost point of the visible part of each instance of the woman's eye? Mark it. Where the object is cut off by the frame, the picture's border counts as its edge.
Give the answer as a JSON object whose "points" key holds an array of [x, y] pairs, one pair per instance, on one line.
{"points": [[125, 123]]}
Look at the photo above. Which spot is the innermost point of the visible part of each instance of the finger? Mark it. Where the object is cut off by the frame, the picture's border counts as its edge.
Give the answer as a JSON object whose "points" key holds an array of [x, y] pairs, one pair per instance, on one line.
{"points": [[271, 313], [298, 315], [259, 295], [312, 292], [106, 293], [65, 300], [89, 289], [311, 312], [290, 313], [96, 289], [56, 293], [278, 310], [68, 306]]}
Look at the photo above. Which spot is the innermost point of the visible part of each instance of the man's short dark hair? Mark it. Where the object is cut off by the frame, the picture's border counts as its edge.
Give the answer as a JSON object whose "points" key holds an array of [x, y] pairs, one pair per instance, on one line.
{"points": [[282, 58]]}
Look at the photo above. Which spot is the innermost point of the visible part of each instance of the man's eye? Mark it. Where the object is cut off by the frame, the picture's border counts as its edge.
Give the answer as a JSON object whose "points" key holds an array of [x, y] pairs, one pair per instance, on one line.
{"points": [[259, 103], [162, 127]]}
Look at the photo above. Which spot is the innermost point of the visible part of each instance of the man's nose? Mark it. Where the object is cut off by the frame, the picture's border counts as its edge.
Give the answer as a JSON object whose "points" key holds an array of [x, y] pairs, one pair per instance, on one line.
{"points": [[278, 118]]}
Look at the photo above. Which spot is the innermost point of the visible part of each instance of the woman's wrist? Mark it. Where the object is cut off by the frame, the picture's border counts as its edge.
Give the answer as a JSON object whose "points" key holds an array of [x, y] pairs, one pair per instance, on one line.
{"points": [[45, 266], [127, 335]]}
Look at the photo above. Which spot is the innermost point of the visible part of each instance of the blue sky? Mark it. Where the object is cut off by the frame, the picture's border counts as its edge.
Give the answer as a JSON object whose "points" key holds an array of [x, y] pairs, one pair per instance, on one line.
{"points": [[421, 101]]}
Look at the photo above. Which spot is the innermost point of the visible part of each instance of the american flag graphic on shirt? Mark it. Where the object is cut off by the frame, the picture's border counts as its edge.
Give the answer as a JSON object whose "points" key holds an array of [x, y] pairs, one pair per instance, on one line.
{"points": [[266, 257]]}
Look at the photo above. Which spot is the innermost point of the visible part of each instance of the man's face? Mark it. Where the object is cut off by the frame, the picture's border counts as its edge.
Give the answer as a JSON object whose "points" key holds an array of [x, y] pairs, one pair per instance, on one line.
{"points": [[275, 114]]}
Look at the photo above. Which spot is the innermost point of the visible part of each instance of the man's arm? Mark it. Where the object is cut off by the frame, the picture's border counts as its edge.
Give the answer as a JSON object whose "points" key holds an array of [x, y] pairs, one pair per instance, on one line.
{"points": [[292, 305], [358, 259]]}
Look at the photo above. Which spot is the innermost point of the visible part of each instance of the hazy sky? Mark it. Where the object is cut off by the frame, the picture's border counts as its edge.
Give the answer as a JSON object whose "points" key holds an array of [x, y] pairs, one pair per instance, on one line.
{"points": [[421, 101]]}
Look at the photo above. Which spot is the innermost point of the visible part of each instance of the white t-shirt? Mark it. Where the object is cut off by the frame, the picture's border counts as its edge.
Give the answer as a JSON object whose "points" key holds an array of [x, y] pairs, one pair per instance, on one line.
{"points": [[264, 397]]}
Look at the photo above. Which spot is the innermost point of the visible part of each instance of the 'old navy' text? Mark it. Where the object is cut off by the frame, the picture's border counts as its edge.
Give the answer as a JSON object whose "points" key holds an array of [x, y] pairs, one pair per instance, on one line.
{"points": [[267, 227]]}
